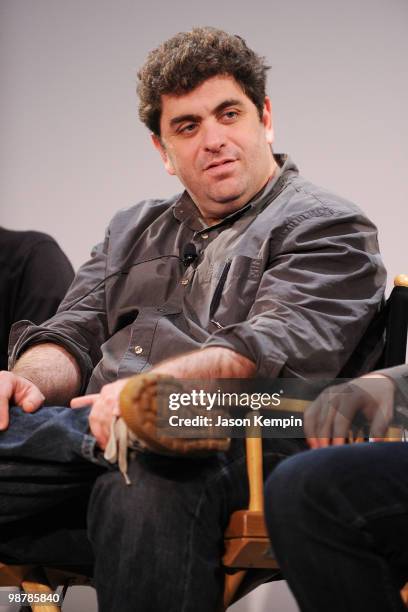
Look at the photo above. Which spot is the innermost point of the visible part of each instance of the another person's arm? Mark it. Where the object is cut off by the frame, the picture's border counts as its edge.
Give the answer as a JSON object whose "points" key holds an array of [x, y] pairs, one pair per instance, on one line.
{"points": [[45, 278], [35, 277]]}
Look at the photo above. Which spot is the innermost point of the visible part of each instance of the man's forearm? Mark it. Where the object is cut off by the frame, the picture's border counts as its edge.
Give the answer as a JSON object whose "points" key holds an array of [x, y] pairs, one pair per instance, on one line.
{"points": [[209, 363], [53, 370]]}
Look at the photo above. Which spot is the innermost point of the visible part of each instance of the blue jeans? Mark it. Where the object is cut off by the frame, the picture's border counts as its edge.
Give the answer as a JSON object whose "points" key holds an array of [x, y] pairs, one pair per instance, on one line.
{"points": [[157, 544], [338, 520], [48, 464]]}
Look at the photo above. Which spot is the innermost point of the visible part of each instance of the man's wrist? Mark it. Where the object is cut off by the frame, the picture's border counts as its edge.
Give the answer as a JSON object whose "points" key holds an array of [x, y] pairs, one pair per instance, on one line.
{"points": [[228, 363], [211, 362]]}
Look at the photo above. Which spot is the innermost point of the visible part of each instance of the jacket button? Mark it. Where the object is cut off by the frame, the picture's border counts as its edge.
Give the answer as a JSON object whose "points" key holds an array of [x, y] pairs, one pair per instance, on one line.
{"points": [[204, 236], [138, 350]]}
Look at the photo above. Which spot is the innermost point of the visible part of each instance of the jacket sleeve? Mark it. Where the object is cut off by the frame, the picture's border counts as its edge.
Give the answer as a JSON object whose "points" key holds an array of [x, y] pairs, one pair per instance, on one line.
{"points": [[80, 324], [323, 283]]}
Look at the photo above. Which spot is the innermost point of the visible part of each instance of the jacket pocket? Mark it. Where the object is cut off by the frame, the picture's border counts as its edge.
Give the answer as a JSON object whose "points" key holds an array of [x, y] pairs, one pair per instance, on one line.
{"points": [[235, 291]]}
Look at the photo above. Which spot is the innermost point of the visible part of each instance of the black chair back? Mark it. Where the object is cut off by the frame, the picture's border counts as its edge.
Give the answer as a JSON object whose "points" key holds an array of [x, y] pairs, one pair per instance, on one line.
{"points": [[396, 328]]}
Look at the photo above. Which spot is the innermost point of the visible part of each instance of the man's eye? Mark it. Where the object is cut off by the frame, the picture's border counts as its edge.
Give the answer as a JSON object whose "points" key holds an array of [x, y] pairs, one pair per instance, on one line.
{"points": [[187, 129], [230, 115]]}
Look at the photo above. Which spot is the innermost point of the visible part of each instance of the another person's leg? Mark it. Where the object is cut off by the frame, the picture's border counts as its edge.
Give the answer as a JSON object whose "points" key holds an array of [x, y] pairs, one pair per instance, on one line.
{"points": [[338, 521], [158, 543]]}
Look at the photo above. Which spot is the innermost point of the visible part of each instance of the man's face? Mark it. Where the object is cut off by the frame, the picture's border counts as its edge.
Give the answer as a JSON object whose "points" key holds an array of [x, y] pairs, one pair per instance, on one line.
{"points": [[213, 139]]}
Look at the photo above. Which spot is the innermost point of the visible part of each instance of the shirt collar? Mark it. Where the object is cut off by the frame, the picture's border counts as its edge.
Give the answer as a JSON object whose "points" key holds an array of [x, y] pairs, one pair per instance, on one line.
{"points": [[186, 211]]}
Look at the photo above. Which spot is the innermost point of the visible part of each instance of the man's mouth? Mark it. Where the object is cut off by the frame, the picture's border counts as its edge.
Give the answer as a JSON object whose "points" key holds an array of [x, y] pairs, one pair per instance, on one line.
{"points": [[220, 163]]}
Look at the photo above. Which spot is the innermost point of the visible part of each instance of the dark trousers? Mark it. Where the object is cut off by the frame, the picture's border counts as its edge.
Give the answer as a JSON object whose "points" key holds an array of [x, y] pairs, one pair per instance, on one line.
{"points": [[157, 544], [338, 521]]}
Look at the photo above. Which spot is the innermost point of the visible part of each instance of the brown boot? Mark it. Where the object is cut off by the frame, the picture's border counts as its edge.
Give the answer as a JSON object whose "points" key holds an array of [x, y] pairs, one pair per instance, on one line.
{"points": [[139, 409]]}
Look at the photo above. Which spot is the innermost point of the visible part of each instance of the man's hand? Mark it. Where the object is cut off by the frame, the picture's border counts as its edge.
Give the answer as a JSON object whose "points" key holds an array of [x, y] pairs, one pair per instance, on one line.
{"points": [[105, 406], [329, 418], [21, 392], [212, 362]]}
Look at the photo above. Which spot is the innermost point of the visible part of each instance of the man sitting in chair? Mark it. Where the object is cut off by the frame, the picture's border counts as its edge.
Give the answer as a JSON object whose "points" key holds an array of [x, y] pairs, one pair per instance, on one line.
{"points": [[251, 271], [338, 516]]}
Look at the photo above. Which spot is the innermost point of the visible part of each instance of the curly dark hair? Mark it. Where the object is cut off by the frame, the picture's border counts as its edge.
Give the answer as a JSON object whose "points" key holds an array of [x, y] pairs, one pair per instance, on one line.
{"points": [[187, 59]]}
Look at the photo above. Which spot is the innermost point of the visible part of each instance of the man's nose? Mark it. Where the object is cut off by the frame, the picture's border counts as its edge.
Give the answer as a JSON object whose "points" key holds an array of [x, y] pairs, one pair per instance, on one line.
{"points": [[213, 138]]}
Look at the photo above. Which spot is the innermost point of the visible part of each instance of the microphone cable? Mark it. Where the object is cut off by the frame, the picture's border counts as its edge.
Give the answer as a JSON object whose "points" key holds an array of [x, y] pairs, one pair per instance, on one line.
{"points": [[189, 256]]}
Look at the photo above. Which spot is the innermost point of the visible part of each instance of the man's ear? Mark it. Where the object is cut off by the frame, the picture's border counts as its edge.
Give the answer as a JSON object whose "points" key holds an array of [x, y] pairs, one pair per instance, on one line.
{"points": [[267, 120], [163, 154]]}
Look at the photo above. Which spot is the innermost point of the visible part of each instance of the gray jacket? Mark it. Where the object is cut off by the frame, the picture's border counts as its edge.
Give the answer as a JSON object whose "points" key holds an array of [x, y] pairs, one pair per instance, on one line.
{"points": [[291, 281]]}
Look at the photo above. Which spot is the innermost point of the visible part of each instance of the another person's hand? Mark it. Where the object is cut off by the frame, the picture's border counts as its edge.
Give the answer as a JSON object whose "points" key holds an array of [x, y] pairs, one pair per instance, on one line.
{"points": [[21, 392], [328, 419], [105, 406]]}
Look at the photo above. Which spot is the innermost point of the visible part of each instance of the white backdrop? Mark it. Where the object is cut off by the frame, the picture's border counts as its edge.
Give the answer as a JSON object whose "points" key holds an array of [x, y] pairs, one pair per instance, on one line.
{"points": [[72, 150]]}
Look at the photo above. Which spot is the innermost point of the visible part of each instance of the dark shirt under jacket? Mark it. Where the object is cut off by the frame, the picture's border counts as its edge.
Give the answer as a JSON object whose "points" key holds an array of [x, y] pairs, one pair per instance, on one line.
{"points": [[34, 277], [291, 281]]}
